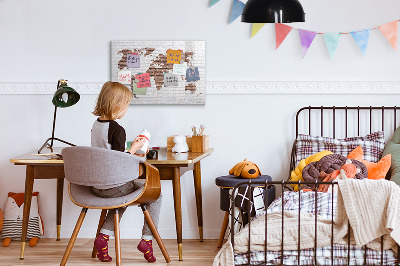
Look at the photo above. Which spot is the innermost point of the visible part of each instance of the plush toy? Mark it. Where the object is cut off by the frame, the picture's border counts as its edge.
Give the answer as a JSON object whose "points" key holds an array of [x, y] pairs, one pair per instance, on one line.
{"points": [[1, 220], [375, 170], [296, 174], [180, 144], [245, 169], [13, 215]]}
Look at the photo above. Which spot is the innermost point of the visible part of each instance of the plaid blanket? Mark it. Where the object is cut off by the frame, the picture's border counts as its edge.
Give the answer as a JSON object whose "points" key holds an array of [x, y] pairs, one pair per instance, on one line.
{"points": [[323, 205]]}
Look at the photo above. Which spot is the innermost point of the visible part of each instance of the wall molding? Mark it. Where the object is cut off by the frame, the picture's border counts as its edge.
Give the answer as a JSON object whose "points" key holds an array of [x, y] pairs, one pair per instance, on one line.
{"points": [[231, 87]]}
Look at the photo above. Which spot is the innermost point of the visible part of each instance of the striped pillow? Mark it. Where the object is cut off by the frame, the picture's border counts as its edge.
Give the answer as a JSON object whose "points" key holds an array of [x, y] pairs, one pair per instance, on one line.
{"points": [[372, 145]]}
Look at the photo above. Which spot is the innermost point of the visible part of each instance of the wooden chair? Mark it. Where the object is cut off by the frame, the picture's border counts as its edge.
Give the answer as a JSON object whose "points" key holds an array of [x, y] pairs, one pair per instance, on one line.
{"points": [[85, 167]]}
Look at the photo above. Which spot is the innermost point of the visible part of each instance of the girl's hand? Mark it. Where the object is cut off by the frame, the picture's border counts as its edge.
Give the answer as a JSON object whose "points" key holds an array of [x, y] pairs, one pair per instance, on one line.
{"points": [[137, 144], [143, 155]]}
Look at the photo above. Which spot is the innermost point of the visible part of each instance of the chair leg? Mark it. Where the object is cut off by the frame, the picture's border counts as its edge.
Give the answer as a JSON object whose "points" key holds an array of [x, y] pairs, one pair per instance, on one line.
{"points": [[223, 229], [73, 237], [101, 222], [154, 230], [117, 239]]}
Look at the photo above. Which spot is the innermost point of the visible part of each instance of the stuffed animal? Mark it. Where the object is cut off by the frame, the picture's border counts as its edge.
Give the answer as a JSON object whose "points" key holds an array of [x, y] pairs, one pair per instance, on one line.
{"points": [[13, 215], [1, 220], [180, 144], [245, 169]]}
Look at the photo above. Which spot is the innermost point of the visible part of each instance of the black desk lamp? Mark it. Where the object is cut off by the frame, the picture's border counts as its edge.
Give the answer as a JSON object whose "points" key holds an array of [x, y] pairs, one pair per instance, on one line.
{"points": [[65, 96], [273, 11]]}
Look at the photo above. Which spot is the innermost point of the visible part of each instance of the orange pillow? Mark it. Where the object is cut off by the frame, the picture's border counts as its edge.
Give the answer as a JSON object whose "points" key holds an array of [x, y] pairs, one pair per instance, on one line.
{"points": [[375, 170]]}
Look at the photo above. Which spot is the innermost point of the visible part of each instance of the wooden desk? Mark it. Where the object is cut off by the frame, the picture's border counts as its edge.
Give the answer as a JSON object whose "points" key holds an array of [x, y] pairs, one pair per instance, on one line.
{"points": [[40, 167], [168, 164]]}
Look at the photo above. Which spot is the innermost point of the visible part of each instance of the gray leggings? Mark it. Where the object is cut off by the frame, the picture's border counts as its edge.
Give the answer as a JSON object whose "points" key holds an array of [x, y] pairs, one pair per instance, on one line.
{"points": [[154, 208]]}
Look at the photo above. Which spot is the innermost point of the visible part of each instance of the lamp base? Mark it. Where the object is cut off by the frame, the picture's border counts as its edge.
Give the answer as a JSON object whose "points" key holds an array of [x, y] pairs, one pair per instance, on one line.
{"points": [[50, 146]]}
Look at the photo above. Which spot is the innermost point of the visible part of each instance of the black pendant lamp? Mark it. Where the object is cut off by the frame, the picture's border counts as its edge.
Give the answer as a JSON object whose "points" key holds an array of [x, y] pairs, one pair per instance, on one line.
{"points": [[273, 11]]}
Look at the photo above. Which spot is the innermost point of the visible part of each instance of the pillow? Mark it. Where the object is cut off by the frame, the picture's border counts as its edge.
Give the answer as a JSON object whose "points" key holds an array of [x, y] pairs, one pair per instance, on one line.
{"points": [[393, 148], [372, 144], [296, 174], [375, 170]]}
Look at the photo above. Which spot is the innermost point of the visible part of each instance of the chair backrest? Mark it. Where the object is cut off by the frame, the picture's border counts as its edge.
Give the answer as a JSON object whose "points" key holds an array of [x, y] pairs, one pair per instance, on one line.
{"points": [[92, 166]]}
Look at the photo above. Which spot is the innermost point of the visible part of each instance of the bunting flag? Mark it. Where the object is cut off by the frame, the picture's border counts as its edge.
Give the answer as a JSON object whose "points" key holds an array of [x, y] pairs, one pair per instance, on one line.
{"points": [[306, 39], [256, 27], [332, 41], [389, 30], [281, 31], [213, 2], [237, 9], [361, 37]]}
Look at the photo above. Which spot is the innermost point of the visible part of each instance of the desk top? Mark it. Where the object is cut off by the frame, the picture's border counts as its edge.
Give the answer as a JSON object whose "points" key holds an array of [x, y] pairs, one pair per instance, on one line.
{"points": [[164, 157]]}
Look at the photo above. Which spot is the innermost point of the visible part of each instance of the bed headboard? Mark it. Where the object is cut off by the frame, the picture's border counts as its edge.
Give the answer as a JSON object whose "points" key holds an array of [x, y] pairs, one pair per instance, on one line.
{"points": [[344, 121]]}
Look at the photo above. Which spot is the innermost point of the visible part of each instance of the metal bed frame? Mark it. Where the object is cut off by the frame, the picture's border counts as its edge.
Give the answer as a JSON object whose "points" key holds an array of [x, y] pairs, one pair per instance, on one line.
{"points": [[283, 184]]}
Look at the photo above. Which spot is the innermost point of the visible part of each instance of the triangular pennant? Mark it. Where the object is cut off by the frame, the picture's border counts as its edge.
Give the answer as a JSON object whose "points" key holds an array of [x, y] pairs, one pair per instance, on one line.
{"points": [[237, 9], [332, 41], [306, 39], [361, 37], [281, 31], [389, 30], [256, 27], [213, 2]]}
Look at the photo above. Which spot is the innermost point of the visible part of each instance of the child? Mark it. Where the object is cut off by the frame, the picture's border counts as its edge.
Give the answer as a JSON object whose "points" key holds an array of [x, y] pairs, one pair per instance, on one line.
{"points": [[112, 103]]}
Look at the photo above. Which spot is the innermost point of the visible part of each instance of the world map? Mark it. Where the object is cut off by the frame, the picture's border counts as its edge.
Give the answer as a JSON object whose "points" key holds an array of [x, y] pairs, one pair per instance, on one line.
{"points": [[156, 65]]}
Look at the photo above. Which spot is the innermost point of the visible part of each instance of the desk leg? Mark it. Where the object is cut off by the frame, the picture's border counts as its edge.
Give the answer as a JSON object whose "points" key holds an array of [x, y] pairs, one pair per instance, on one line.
{"points": [[176, 182], [27, 206], [199, 204], [60, 190]]}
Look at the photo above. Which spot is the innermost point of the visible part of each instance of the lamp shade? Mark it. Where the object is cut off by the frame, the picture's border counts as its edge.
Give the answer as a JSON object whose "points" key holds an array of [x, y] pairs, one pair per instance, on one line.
{"points": [[273, 11], [65, 96]]}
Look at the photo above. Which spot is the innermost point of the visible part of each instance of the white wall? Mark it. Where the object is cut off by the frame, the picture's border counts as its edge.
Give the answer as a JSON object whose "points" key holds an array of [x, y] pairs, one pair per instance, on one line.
{"points": [[42, 41]]}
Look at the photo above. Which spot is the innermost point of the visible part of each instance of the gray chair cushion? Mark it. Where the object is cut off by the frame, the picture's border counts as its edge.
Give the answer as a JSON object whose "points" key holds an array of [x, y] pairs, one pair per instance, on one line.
{"points": [[99, 167], [84, 196]]}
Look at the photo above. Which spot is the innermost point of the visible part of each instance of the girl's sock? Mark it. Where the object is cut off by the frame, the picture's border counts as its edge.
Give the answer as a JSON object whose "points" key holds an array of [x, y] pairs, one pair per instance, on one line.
{"points": [[146, 247], [101, 245]]}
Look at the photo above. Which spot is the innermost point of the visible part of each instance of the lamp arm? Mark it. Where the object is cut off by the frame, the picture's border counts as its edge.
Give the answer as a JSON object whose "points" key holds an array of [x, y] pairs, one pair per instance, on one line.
{"points": [[54, 119], [54, 126]]}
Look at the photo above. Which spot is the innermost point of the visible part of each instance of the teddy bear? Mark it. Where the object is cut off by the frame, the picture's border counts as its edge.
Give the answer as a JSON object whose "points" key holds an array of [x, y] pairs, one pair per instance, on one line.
{"points": [[13, 215], [245, 169], [180, 144]]}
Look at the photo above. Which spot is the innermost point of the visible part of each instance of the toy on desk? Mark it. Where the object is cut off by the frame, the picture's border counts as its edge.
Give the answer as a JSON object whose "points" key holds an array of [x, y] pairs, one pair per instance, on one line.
{"points": [[13, 215], [245, 169], [144, 134], [180, 144]]}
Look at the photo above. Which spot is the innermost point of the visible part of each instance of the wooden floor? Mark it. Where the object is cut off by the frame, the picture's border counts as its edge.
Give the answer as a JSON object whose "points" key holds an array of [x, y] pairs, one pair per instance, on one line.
{"points": [[50, 252]]}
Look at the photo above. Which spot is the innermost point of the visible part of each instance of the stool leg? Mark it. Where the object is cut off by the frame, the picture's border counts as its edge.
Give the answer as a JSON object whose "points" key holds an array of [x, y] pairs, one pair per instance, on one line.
{"points": [[101, 222], [117, 239], [223, 229]]}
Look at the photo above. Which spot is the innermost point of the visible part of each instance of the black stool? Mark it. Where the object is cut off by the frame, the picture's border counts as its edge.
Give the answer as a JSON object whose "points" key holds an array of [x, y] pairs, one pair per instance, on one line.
{"points": [[226, 183]]}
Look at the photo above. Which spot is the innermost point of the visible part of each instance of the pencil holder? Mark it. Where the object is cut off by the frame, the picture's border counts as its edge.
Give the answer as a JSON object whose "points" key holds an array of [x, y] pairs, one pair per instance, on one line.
{"points": [[200, 143]]}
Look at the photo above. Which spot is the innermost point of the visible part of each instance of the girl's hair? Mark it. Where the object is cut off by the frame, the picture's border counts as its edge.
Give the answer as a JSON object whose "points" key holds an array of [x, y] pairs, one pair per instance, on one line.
{"points": [[112, 99]]}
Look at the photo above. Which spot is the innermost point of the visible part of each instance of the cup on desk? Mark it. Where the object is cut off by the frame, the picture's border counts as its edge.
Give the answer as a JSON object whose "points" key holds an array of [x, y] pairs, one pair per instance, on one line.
{"points": [[152, 155]]}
